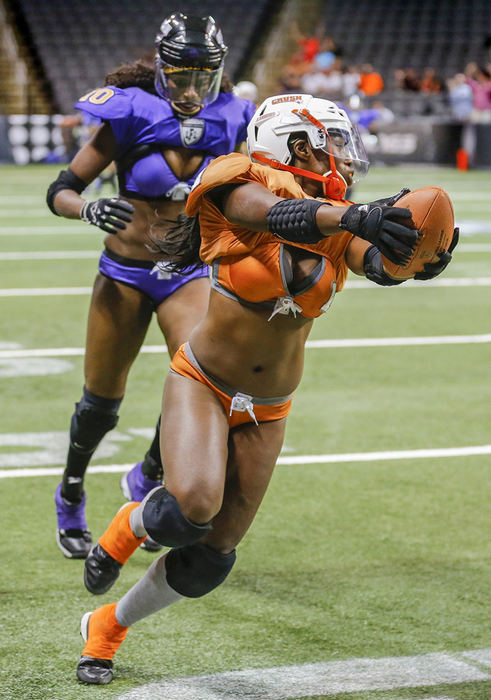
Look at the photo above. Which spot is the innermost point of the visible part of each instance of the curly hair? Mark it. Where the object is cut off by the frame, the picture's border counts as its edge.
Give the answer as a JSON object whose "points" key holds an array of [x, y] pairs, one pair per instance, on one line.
{"points": [[141, 74], [137, 74]]}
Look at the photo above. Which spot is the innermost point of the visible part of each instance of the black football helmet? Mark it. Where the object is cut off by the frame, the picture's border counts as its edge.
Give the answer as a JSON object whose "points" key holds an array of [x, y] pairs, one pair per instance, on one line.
{"points": [[189, 61]]}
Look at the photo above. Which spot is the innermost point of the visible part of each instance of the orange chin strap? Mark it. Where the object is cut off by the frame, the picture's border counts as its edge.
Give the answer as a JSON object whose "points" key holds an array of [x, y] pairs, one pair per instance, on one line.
{"points": [[333, 185]]}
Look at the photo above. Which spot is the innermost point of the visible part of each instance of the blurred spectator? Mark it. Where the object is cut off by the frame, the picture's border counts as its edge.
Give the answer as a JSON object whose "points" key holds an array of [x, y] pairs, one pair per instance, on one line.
{"points": [[290, 80], [371, 82], [431, 82], [461, 97], [383, 115], [247, 90], [479, 79], [323, 83], [76, 129], [69, 133], [407, 79], [328, 56], [308, 47], [318, 51], [372, 119], [350, 77]]}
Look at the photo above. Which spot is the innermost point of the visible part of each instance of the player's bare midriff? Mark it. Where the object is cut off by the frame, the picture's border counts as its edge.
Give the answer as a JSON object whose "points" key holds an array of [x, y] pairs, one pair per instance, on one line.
{"points": [[239, 346], [135, 241]]}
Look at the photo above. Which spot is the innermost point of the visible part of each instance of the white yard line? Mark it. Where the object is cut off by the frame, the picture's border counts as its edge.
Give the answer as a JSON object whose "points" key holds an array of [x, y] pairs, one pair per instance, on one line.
{"points": [[12, 352], [20, 255], [45, 291], [53, 227], [49, 255], [353, 457], [473, 248], [320, 679], [27, 212], [51, 230], [352, 284], [411, 284]]}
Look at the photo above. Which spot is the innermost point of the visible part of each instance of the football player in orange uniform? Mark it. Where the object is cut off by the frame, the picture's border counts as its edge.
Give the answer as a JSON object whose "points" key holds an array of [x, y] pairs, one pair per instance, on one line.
{"points": [[280, 239]]}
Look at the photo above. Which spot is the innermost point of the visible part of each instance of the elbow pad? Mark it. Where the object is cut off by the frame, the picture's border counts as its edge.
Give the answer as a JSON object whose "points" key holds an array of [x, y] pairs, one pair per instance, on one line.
{"points": [[294, 220], [66, 180]]}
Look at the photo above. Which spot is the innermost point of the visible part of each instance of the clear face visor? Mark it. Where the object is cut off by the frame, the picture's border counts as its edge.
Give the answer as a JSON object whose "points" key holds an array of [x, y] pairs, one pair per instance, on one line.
{"points": [[345, 145], [187, 88]]}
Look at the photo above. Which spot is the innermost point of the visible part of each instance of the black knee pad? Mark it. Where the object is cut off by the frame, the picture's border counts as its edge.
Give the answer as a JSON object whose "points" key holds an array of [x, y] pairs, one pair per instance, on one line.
{"points": [[164, 521], [94, 417], [196, 570]]}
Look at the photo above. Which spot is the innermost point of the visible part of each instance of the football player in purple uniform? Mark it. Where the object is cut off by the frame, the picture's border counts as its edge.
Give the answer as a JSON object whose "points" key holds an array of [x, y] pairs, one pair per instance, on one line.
{"points": [[162, 125]]}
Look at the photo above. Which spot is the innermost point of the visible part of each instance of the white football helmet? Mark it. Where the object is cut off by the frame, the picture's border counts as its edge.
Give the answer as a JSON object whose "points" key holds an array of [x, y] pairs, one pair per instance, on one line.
{"points": [[327, 127]]}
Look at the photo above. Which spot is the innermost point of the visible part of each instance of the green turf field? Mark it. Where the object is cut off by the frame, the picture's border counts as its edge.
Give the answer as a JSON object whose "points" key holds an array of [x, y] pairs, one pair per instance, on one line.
{"points": [[353, 556]]}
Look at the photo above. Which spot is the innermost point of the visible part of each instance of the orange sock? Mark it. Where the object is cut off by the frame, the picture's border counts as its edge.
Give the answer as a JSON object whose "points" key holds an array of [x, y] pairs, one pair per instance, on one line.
{"points": [[119, 540], [105, 633]]}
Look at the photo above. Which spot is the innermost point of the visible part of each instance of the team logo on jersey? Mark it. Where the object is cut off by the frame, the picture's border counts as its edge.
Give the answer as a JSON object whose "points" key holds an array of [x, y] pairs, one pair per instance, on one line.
{"points": [[191, 131]]}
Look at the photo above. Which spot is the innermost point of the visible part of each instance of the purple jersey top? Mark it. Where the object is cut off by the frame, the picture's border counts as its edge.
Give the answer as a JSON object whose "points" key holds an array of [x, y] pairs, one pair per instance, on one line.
{"points": [[143, 124]]}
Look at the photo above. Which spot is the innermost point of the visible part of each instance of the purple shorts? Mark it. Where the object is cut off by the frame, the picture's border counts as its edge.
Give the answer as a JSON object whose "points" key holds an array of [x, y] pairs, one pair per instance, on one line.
{"points": [[146, 276]]}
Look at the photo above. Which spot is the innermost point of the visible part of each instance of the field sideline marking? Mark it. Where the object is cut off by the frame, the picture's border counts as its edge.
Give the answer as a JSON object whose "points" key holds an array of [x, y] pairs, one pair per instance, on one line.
{"points": [[311, 344], [351, 284], [52, 230], [467, 229], [15, 256], [45, 291], [324, 678], [431, 453], [52, 255], [456, 195]]}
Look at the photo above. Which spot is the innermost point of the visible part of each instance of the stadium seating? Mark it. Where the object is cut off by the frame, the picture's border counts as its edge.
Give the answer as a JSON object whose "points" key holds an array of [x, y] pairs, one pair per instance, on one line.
{"points": [[390, 34], [78, 43]]}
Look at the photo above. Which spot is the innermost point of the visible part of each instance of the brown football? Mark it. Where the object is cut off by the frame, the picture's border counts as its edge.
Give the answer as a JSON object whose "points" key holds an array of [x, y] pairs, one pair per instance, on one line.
{"points": [[432, 214]]}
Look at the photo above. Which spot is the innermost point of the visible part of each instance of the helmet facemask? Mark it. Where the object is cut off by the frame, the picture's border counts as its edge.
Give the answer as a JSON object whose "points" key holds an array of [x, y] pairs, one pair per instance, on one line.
{"points": [[187, 89]]}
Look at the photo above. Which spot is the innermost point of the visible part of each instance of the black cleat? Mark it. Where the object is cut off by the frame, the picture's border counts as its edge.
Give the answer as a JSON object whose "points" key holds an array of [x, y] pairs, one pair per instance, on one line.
{"points": [[72, 534], [100, 573], [74, 543], [94, 671], [89, 669]]}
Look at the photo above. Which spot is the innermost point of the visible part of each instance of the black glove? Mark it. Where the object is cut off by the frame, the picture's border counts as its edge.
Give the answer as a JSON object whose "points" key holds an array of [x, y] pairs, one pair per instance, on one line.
{"points": [[107, 214], [431, 270], [374, 268], [374, 223], [390, 201]]}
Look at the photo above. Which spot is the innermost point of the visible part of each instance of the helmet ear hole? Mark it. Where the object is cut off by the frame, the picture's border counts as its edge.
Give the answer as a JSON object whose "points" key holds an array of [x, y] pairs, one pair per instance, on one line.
{"points": [[293, 140]]}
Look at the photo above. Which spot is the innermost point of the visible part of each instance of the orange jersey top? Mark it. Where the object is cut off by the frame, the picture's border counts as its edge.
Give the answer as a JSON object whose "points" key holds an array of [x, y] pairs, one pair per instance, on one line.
{"points": [[254, 267]]}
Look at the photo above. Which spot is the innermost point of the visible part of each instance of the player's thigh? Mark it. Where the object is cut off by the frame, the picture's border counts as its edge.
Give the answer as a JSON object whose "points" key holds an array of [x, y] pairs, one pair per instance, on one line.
{"points": [[182, 311], [253, 451], [193, 444], [119, 317]]}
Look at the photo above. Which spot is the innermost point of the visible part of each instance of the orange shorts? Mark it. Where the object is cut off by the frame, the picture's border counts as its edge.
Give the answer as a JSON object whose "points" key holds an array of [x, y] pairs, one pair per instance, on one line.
{"points": [[240, 408]]}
